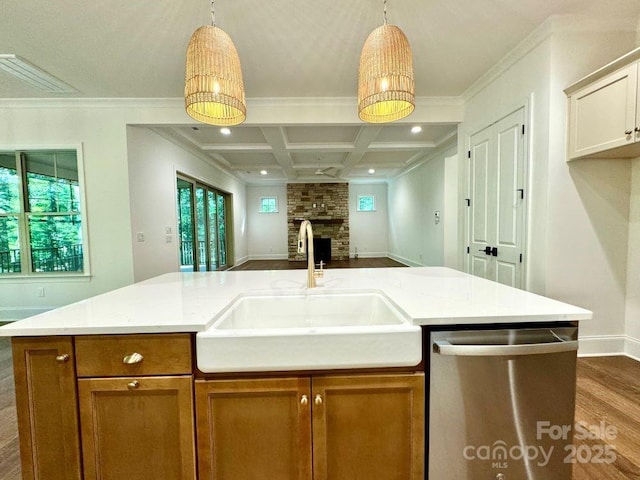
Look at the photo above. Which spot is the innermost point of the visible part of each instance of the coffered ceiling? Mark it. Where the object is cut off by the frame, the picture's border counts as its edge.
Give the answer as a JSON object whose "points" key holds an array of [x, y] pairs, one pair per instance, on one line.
{"points": [[288, 48], [314, 153]]}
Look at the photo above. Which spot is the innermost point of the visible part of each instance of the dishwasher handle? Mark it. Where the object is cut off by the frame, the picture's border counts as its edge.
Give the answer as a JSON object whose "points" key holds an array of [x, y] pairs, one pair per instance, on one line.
{"points": [[442, 347]]}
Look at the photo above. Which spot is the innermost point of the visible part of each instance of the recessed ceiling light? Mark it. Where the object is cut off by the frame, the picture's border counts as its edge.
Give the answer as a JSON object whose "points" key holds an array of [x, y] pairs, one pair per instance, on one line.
{"points": [[416, 129], [263, 172], [372, 171], [225, 131], [33, 75]]}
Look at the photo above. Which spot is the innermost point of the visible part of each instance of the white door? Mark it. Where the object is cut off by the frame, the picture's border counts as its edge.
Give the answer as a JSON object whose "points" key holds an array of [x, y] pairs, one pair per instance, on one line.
{"points": [[497, 193]]}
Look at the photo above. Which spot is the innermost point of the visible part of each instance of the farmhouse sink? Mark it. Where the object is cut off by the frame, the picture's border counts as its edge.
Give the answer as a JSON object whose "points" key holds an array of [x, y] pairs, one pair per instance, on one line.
{"points": [[308, 331]]}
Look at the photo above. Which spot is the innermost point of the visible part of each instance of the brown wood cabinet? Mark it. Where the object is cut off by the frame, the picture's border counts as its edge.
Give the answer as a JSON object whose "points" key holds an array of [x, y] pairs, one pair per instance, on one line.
{"points": [[368, 427], [254, 429], [46, 402], [136, 413], [338, 427], [137, 428], [122, 407]]}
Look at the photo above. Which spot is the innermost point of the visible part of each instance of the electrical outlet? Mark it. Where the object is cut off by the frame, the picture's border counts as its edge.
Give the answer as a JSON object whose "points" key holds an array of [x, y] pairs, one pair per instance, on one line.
{"points": [[168, 238], [167, 230], [140, 236]]}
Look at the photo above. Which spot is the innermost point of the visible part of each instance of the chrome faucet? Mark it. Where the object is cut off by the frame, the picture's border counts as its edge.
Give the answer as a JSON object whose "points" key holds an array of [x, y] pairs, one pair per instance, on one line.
{"points": [[305, 236]]}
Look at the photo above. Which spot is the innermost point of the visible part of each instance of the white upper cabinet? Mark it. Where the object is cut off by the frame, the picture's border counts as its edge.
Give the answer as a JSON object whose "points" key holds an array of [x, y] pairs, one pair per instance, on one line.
{"points": [[604, 112]]}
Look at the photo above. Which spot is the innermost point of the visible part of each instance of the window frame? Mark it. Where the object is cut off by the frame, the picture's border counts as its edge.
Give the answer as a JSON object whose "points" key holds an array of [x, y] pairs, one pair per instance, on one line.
{"points": [[23, 216], [268, 197], [373, 203]]}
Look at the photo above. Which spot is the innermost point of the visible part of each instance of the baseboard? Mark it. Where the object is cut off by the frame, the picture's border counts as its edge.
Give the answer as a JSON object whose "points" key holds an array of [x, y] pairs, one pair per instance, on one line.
{"points": [[406, 261], [632, 348], [269, 256], [594, 346], [369, 255]]}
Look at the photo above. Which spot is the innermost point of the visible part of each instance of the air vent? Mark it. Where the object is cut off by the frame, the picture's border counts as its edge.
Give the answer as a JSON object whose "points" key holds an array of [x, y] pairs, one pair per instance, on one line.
{"points": [[34, 76]]}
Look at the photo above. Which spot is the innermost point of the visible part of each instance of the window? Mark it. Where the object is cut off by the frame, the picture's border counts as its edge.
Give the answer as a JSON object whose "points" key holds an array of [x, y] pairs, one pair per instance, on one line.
{"points": [[269, 205], [41, 226], [204, 215], [366, 203]]}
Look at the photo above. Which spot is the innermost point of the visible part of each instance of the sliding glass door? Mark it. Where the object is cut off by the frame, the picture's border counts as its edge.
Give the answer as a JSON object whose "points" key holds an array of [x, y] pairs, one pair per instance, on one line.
{"points": [[202, 225]]}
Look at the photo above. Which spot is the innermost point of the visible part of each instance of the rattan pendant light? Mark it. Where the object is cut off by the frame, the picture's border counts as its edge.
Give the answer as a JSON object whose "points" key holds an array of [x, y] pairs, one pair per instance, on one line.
{"points": [[386, 89], [213, 89]]}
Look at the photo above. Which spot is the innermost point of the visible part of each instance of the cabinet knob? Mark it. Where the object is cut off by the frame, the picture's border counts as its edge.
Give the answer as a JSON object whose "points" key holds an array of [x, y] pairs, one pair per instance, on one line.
{"points": [[318, 400], [628, 132], [637, 129], [133, 358], [304, 400], [64, 358], [133, 385]]}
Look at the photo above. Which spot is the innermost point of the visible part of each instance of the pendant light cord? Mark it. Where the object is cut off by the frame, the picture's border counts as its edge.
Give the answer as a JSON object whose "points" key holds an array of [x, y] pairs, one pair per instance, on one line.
{"points": [[384, 11], [213, 13]]}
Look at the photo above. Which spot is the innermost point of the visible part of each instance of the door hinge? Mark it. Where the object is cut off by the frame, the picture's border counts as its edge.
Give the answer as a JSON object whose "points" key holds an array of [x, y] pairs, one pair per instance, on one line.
{"points": [[468, 200], [520, 258], [469, 154], [523, 128], [468, 250]]}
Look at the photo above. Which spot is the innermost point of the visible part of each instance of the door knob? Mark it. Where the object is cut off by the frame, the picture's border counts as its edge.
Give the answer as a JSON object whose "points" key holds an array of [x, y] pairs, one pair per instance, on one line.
{"points": [[494, 251], [132, 359], [486, 250], [64, 358]]}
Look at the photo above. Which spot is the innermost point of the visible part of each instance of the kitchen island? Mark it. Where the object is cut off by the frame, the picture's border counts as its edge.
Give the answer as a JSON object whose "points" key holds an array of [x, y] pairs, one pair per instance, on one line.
{"points": [[109, 387]]}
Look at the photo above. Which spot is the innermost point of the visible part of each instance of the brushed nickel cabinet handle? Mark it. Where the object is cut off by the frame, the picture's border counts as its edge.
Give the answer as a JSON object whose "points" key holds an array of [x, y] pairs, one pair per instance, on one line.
{"points": [[318, 400], [133, 385], [133, 358], [64, 358], [304, 400]]}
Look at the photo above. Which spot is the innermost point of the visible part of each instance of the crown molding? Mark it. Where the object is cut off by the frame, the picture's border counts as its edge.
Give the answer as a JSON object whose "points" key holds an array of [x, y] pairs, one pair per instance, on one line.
{"points": [[553, 25], [178, 102]]}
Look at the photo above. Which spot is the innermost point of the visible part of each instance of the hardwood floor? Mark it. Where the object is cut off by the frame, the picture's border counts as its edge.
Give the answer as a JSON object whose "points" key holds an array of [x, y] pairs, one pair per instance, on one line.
{"points": [[608, 390], [286, 264]]}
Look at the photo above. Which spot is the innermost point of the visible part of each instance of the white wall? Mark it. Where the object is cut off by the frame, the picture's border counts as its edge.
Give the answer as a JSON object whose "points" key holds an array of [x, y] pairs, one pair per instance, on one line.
{"points": [[267, 232], [588, 201], [368, 230], [578, 216], [414, 237], [633, 266], [103, 139], [153, 165]]}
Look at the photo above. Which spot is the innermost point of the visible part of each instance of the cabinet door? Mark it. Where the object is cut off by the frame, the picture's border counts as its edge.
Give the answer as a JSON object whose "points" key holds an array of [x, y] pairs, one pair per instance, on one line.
{"points": [[603, 114], [254, 429], [46, 402], [137, 429], [368, 427]]}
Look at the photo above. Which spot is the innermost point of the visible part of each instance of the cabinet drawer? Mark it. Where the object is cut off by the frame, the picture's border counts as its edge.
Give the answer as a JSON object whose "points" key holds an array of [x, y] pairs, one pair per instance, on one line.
{"points": [[114, 355]]}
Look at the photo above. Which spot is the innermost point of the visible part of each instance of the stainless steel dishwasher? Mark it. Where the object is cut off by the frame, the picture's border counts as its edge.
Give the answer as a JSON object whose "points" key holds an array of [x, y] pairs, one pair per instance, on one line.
{"points": [[501, 404]]}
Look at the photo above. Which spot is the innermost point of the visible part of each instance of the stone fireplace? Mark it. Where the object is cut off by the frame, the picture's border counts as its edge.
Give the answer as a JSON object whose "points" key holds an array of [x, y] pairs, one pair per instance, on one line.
{"points": [[326, 205]]}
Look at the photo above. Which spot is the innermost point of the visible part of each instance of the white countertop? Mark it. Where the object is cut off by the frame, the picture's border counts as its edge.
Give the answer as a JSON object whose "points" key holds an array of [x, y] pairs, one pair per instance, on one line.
{"points": [[188, 302]]}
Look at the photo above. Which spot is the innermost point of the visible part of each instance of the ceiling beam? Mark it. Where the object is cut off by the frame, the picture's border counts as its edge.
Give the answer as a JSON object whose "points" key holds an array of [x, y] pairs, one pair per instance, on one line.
{"points": [[275, 136], [364, 138]]}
